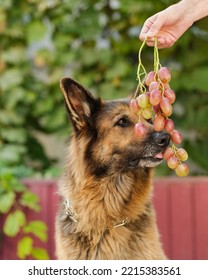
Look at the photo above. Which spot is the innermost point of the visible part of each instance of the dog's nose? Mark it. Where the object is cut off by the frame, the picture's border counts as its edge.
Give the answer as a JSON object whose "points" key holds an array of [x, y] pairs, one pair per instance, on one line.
{"points": [[162, 139]]}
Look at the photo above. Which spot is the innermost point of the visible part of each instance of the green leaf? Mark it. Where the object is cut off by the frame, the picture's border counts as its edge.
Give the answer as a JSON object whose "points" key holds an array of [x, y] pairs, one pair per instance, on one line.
{"points": [[17, 186], [40, 254], [53, 172], [14, 222], [11, 153], [14, 55], [17, 135], [36, 31], [6, 201], [30, 200], [8, 117], [193, 80], [38, 228], [21, 171], [119, 69], [10, 78], [14, 97], [54, 120], [5, 177], [8, 180], [24, 247]]}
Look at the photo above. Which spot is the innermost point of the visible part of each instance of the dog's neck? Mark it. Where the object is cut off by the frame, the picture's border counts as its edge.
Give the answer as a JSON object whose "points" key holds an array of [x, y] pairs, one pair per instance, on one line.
{"points": [[107, 202]]}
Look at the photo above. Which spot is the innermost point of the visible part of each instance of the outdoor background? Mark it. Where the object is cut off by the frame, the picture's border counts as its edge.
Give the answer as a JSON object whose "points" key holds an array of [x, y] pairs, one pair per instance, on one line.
{"points": [[96, 43]]}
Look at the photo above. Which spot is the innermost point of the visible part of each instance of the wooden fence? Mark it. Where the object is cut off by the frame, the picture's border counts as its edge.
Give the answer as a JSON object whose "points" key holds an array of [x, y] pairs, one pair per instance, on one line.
{"points": [[182, 216]]}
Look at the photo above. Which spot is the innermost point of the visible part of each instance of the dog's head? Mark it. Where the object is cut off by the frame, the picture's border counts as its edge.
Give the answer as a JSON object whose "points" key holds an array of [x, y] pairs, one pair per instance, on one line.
{"points": [[106, 130]]}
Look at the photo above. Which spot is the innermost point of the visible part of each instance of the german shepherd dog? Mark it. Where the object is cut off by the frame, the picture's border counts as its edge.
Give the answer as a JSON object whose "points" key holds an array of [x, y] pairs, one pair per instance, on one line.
{"points": [[105, 210]]}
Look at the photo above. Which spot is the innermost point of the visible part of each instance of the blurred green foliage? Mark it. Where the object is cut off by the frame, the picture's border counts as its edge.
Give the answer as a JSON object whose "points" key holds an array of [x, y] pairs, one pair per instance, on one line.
{"points": [[96, 43], [15, 199]]}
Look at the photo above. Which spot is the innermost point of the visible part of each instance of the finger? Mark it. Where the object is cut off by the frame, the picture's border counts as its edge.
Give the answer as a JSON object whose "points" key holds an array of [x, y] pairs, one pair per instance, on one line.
{"points": [[156, 26], [164, 43], [143, 36], [161, 41], [146, 27], [150, 43]]}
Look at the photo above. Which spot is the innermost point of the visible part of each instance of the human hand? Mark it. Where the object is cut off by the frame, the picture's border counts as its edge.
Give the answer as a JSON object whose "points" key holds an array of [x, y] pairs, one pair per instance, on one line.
{"points": [[168, 25]]}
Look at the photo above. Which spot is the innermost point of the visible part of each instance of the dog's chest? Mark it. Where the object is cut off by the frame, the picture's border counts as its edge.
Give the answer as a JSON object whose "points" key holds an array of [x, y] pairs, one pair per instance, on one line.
{"points": [[118, 243]]}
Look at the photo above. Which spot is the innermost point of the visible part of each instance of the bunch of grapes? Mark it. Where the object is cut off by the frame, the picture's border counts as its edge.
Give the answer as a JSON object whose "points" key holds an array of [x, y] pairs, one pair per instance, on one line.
{"points": [[155, 101]]}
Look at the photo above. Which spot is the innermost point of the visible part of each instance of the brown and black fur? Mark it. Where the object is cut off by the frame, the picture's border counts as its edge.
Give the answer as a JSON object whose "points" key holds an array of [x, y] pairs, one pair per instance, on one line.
{"points": [[108, 179]]}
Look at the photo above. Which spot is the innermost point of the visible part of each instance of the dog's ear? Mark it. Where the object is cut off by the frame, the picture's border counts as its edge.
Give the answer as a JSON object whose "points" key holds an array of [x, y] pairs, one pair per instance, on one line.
{"points": [[80, 103]]}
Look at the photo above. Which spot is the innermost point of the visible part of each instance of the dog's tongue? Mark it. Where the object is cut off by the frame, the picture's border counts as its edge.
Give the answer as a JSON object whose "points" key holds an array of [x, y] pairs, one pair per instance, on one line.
{"points": [[160, 155]]}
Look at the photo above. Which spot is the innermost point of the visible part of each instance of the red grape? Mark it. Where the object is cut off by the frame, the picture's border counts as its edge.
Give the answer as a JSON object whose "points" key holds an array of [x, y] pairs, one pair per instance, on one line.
{"points": [[156, 109], [140, 130], [153, 85], [169, 152], [166, 107], [147, 113], [155, 97], [169, 125], [148, 95], [182, 170], [159, 123], [182, 154], [170, 94], [164, 75], [134, 107], [173, 162], [143, 100], [150, 77], [176, 137], [166, 86]]}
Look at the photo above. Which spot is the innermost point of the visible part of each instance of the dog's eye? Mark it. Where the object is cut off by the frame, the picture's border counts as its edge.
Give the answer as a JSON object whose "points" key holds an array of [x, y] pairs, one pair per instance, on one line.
{"points": [[122, 122]]}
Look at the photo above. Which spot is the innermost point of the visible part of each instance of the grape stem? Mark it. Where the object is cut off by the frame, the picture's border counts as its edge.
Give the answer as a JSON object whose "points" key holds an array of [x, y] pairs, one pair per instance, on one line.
{"points": [[156, 57], [175, 149], [141, 72], [157, 65]]}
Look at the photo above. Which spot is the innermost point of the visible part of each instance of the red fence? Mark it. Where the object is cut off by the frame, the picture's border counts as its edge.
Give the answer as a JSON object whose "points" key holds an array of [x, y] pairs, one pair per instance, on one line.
{"points": [[182, 215]]}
